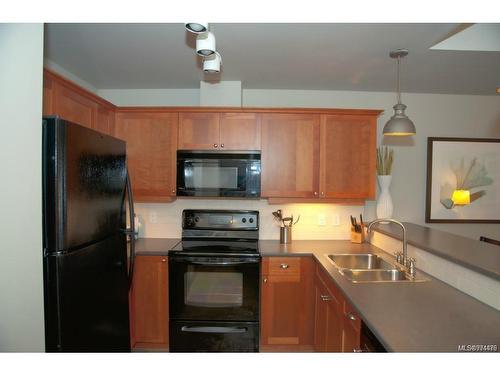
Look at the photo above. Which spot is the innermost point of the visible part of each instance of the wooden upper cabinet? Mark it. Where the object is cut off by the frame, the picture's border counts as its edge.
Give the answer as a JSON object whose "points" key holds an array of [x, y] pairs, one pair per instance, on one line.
{"points": [[348, 156], [74, 107], [198, 131], [151, 153], [290, 155], [240, 131], [48, 96], [287, 304], [149, 303], [105, 122]]}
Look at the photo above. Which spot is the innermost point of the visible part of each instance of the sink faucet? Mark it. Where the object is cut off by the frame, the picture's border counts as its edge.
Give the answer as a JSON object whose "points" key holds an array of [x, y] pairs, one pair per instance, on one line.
{"points": [[404, 259]]}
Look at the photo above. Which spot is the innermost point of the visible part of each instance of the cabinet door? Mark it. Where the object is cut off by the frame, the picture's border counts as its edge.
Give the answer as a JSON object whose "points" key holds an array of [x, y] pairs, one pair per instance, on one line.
{"points": [[287, 304], [151, 153], [240, 131], [290, 155], [334, 324], [72, 106], [149, 303], [105, 122], [348, 156], [351, 334], [198, 131], [320, 316]]}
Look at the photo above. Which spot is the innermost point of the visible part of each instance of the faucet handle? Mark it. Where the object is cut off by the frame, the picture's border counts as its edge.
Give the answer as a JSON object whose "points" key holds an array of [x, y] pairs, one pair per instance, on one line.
{"points": [[399, 257], [411, 266]]}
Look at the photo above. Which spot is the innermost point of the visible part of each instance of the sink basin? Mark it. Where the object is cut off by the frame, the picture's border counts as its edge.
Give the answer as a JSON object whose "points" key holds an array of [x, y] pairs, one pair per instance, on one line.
{"points": [[371, 276], [360, 261]]}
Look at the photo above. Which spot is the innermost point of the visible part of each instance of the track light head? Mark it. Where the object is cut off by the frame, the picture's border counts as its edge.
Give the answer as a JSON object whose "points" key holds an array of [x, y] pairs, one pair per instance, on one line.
{"points": [[196, 27], [205, 44], [212, 63]]}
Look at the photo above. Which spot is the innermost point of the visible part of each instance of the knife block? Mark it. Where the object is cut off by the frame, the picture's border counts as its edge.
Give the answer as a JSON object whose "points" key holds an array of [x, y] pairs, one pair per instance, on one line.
{"points": [[357, 237]]}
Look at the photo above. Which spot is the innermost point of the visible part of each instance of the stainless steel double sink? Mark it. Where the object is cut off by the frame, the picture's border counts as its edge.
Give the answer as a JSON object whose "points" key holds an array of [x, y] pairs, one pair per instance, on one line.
{"points": [[370, 268]]}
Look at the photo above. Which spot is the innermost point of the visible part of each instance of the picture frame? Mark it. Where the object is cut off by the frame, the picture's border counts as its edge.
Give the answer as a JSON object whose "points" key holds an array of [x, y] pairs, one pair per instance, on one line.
{"points": [[463, 165]]}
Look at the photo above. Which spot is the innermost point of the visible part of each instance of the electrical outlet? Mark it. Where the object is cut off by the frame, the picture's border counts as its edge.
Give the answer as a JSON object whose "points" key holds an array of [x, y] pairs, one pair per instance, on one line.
{"points": [[322, 220], [336, 220], [153, 217]]}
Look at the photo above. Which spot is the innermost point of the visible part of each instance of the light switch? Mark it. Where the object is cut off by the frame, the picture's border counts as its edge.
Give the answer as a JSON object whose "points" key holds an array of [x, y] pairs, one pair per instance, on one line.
{"points": [[336, 220], [322, 220], [153, 217]]}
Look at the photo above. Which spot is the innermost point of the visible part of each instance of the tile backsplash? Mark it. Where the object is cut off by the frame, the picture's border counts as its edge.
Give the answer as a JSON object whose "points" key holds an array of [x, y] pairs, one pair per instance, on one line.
{"points": [[164, 220]]}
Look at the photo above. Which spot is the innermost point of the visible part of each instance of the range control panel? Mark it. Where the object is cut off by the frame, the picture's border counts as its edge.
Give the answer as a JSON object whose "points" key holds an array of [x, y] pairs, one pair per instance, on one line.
{"points": [[220, 219]]}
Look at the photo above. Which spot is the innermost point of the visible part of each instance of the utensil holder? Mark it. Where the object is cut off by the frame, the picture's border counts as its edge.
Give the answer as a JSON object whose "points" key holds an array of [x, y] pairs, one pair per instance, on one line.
{"points": [[285, 234], [357, 237]]}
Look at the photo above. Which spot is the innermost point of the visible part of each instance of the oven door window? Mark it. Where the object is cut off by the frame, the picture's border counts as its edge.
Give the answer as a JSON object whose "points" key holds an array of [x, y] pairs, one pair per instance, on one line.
{"points": [[213, 289]]}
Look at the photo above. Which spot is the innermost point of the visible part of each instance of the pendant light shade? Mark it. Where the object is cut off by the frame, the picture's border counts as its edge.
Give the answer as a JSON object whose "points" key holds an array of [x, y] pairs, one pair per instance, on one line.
{"points": [[399, 124], [205, 44], [196, 27]]}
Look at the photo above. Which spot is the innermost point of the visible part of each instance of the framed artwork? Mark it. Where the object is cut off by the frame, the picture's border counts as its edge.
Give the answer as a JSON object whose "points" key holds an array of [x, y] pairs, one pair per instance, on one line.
{"points": [[463, 180]]}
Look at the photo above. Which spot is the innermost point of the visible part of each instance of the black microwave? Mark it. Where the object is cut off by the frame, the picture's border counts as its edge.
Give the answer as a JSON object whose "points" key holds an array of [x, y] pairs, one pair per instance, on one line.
{"points": [[233, 174]]}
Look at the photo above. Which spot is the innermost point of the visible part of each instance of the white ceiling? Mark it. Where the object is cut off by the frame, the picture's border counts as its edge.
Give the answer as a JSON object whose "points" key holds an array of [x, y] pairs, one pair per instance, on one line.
{"points": [[273, 56]]}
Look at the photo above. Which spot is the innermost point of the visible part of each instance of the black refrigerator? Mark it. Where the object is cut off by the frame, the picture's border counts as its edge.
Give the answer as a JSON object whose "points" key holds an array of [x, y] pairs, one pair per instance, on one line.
{"points": [[87, 249]]}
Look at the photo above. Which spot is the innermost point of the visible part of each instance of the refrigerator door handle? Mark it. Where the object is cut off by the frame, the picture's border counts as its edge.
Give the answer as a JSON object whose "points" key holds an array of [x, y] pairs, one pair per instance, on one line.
{"points": [[131, 231]]}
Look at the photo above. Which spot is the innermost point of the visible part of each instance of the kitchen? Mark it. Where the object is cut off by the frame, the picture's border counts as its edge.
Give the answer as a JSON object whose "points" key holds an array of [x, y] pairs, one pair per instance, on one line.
{"points": [[304, 173]]}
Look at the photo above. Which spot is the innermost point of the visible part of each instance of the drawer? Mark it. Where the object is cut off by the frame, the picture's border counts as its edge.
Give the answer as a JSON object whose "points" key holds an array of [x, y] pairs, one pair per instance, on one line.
{"points": [[282, 269], [352, 316], [284, 266]]}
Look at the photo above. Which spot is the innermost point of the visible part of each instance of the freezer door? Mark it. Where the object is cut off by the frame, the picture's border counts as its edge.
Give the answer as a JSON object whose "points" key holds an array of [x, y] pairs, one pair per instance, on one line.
{"points": [[86, 299], [84, 184]]}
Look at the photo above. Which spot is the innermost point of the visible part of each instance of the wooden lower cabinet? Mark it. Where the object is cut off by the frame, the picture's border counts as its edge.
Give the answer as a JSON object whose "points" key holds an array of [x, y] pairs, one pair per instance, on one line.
{"points": [[149, 303], [287, 304], [337, 326]]}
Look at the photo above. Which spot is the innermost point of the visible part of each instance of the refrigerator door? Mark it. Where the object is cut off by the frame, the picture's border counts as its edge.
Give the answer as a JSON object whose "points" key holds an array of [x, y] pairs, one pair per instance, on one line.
{"points": [[84, 185], [86, 298]]}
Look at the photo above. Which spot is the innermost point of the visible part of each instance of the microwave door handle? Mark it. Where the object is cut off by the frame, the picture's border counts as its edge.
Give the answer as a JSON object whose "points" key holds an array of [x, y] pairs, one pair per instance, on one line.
{"points": [[213, 329]]}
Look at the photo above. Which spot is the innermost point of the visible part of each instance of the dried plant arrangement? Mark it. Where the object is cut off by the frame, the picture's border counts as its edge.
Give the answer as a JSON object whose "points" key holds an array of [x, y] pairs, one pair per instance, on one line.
{"points": [[385, 158]]}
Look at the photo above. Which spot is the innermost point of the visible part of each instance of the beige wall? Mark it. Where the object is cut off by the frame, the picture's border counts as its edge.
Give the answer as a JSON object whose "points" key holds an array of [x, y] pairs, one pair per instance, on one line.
{"points": [[21, 290], [433, 115]]}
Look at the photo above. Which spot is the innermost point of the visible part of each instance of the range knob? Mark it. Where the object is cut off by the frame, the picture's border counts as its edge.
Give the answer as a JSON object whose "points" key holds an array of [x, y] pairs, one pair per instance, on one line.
{"points": [[189, 222], [196, 219], [250, 220], [244, 220]]}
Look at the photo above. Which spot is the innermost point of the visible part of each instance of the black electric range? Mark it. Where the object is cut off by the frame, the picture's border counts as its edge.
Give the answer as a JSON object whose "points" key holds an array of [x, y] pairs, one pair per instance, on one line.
{"points": [[214, 275]]}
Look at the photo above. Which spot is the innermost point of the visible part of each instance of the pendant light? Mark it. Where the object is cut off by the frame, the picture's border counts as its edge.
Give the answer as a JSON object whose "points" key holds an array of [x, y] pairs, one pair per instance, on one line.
{"points": [[399, 124]]}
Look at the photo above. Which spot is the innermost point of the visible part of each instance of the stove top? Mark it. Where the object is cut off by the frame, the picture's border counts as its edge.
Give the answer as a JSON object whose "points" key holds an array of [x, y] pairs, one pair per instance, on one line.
{"points": [[216, 247]]}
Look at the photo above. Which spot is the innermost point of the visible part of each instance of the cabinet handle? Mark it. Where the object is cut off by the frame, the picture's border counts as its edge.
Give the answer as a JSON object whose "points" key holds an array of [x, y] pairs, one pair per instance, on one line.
{"points": [[163, 260], [284, 266], [216, 145], [222, 145], [265, 280], [326, 298], [322, 193], [351, 316], [315, 193], [358, 351], [173, 191]]}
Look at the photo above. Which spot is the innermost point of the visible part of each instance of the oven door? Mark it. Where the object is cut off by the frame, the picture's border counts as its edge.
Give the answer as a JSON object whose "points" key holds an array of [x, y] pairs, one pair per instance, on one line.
{"points": [[218, 174], [214, 288]]}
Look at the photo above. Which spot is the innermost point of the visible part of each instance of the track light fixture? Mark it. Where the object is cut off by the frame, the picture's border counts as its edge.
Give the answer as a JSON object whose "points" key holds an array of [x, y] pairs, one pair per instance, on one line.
{"points": [[205, 44], [212, 63], [196, 27]]}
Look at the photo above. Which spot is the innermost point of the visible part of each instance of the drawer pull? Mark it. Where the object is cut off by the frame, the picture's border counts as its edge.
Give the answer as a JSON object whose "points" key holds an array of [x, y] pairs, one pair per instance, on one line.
{"points": [[326, 298], [265, 280], [284, 266], [163, 260], [351, 316]]}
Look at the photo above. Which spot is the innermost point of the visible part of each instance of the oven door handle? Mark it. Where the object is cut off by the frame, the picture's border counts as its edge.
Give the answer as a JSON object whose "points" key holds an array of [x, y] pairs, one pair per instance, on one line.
{"points": [[213, 329], [230, 263]]}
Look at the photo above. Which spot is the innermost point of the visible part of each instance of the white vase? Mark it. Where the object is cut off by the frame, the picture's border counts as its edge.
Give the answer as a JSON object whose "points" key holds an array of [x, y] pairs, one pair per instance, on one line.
{"points": [[385, 207]]}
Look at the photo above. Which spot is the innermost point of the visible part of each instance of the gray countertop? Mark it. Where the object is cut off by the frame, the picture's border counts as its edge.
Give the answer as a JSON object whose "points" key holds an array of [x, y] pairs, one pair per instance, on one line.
{"points": [[479, 256], [406, 317]]}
